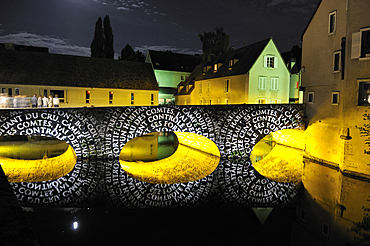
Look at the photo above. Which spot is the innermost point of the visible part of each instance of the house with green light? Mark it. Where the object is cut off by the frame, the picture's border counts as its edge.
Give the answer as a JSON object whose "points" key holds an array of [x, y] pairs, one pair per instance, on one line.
{"points": [[170, 69], [254, 74]]}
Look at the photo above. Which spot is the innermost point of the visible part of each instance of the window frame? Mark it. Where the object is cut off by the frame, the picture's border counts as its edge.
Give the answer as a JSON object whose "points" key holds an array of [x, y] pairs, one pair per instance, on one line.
{"points": [[227, 85], [333, 23], [337, 63], [88, 95], [361, 93], [337, 97], [110, 97], [260, 82], [132, 98], [274, 83], [308, 97], [58, 92]]}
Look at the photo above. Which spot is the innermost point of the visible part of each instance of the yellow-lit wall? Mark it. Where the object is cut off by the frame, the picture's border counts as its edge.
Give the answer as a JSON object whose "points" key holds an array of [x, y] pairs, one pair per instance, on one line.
{"points": [[76, 96], [327, 122]]}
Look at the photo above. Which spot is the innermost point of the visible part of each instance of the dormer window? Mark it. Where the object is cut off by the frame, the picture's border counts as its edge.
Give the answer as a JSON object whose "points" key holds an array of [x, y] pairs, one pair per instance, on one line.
{"points": [[231, 63], [215, 67]]}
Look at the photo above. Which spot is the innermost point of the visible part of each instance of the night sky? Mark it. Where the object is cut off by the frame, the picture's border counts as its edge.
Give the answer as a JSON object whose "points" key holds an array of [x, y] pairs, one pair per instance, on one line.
{"points": [[67, 26]]}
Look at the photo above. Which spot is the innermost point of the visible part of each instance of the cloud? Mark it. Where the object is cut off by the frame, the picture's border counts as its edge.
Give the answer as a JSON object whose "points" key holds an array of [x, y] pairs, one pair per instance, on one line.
{"points": [[55, 44], [136, 5], [187, 51], [300, 6]]}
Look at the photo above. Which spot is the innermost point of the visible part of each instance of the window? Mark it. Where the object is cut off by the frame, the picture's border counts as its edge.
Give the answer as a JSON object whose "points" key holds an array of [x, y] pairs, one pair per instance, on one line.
{"points": [[10, 92], [87, 96], [200, 88], [336, 61], [215, 66], [364, 93], [231, 63], [208, 86], [110, 97], [132, 98], [311, 98], [332, 22], [3, 90], [335, 98], [361, 44], [261, 101], [262, 83], [325, 229], [270, 61], [16, 92], [152, 99], [210, 102], [204, 70], [227, 85], [274, 84], [46, 93], [275, 101], [60, 94]]}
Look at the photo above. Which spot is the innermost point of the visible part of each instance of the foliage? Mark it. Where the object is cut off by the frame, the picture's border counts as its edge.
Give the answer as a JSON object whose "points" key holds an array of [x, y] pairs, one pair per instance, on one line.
{"points": [[102, 44], [362, 229], [128, 54], [214, 43]]}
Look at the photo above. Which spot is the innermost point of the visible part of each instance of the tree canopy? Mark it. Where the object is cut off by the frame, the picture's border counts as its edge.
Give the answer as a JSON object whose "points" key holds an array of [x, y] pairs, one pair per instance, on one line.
{"points": [[102, 44], [128, 54], [214, 43]]}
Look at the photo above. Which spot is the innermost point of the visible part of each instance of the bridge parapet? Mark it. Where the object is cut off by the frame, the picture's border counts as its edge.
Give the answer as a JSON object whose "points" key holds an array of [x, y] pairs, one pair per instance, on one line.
{"points": [[98, 134]]}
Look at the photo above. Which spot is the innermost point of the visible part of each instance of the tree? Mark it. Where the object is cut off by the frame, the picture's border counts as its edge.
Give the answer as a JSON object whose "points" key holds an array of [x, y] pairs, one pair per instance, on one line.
{"points": [[102, 44], [97, 45], [108, 35], [128, 54], [214, 43]]}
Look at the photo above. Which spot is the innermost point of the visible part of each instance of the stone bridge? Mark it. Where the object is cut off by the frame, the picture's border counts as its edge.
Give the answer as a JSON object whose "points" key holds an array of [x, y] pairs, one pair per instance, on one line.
{"points": [[98, 134]]}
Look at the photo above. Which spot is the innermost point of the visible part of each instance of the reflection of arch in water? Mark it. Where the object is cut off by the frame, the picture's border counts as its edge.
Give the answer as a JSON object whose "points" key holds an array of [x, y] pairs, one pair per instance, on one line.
{"points": [[195, 158], [282, 153], [18, 170]]}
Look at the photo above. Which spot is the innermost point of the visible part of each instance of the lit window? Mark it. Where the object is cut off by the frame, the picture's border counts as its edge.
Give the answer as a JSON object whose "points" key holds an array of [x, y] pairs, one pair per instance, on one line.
{"points": [[227, 85], [311, 98], [332, 22], [87, 96], [231, 63], [336, 61], [110, 97], [364, 94], [274, 84], [261, 101], [132, 99], [60, 94], [361, 44], [275, 101], [262, 83], [270, 61], [215, 66], [16, 92], [335, 98]]}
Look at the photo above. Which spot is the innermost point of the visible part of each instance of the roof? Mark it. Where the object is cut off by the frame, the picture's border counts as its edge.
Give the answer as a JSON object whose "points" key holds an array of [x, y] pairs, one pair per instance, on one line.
{"points": [[34, 68], [246, 56], [309, 22], [166, 60]]}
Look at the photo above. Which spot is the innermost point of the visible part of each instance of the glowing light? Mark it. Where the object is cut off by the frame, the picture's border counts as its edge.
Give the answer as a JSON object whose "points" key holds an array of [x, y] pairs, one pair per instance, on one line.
{"points": [[281, 156], [75, 225], [18, 170], [195, 158]]}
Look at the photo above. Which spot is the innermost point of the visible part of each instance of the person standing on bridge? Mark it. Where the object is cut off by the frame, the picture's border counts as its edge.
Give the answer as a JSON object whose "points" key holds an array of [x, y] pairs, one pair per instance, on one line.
{"points": [[50, 102], [39, 101], [45, 101], [34, 101], [56, 101]]}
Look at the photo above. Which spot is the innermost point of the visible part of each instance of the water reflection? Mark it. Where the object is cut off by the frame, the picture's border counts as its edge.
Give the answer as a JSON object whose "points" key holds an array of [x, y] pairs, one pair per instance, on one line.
{"points": [[150, 147], [31, 147]]}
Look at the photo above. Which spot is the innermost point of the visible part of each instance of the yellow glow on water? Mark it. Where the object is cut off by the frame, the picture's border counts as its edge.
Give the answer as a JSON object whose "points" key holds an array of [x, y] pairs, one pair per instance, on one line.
{"points": [[280, 156], [195, 158], [18, 170]]}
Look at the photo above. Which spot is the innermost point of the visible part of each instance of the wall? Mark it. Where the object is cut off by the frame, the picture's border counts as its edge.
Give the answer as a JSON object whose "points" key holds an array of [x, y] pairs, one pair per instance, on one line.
{"points": [[98, 134]]}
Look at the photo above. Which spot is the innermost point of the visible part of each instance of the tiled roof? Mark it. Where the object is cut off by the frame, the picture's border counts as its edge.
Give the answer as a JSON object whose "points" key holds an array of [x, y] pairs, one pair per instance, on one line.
{"points": [[173, 61], [33, 68]]}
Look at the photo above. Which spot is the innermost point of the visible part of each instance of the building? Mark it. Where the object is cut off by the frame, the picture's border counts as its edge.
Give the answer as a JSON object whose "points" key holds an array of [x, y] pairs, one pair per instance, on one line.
{"points": [[170, 69], [336, 82], [78, 81], [293, 61], [252, 74]]}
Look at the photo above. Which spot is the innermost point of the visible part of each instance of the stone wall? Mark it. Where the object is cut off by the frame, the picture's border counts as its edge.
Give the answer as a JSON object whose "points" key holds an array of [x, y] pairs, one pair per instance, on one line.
{"points": [[98, 134]]}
